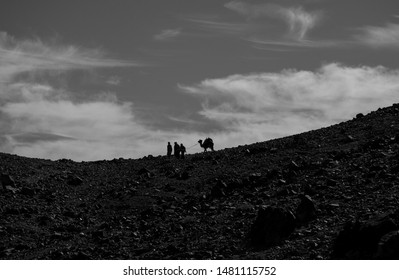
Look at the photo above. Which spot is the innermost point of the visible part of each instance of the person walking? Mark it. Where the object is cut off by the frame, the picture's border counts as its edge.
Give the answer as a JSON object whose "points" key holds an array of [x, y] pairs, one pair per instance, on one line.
{"points": [[182, 150], [169, 149], [176, 150]]}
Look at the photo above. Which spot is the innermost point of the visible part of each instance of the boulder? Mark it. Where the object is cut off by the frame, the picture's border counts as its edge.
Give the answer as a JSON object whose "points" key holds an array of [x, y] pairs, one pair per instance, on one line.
{"points": [[306, 210], [360, 240], [7, 180], [388, 247], [272, 225]]}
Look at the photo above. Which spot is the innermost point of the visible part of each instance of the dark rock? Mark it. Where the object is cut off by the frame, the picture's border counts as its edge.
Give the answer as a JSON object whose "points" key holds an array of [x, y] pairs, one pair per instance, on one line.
{"points": [[74, 181], [12, 211], [70, 214], [144, 171], [388, 247], [169, 188], [28, 191], [359, 240], [348, 139], [306, 210], [184, 175], [44, 220], [217, 192], [359, 116], [272, 225], [7, 180], [80, 256], [331, 182]]}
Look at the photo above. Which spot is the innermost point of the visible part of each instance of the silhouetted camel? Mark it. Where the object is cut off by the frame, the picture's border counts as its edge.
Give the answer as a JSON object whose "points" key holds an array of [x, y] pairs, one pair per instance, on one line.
{"points": [[208, 143]]}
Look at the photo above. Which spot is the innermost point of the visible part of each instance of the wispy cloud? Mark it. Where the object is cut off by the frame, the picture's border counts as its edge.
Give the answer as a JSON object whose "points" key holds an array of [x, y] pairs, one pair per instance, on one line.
{"points": [[380, 36], [17, 56], [219, 26], [168, 34], [298, 20], [261, 106], [114, 81]]}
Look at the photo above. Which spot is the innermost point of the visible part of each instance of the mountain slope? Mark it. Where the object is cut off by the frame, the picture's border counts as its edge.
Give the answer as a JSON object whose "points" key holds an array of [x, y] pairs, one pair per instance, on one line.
{"points": [[207, 205]]}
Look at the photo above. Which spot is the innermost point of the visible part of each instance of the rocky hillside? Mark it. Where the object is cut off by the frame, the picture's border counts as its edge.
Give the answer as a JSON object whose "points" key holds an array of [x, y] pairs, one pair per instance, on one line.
{"points": [[328, 193]]}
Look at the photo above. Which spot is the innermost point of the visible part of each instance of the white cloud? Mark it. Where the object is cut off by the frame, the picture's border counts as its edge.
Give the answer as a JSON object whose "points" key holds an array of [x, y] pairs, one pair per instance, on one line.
{"points": [[376, 36], [19, 56], [299, 21], [38, 119], [256, 107], [114, 81], [167, 34]]}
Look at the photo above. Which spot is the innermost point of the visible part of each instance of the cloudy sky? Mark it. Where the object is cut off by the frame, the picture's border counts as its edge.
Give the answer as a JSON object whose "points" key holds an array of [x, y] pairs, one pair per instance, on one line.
{"points": [[101, 79]]}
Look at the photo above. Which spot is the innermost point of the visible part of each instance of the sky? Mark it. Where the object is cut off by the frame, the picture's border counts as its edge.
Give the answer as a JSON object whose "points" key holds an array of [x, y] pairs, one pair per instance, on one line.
{"points": [[100, 79]]}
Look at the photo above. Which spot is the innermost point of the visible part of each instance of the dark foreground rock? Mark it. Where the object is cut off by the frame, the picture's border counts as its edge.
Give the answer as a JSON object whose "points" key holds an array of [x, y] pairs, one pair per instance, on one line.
{"points": [[363, 240], [272, 225]]}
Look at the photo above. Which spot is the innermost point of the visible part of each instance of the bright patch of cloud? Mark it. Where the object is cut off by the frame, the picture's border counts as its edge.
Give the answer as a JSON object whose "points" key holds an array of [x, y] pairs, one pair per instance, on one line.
{"points": [[167, 34], [376, 36], [299, 21], [114, 81], [261, 106]]}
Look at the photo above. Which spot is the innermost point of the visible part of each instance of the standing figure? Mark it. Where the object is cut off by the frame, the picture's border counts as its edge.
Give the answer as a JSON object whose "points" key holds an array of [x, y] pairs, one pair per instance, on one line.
{"points": [[176, 150], [169, 149], [182, 150]]}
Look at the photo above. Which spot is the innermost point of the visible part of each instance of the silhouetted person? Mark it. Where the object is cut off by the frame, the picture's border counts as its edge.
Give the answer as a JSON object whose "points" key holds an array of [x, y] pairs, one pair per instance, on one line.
{"points": [[176, 150], [182, 151], [169, 149]]}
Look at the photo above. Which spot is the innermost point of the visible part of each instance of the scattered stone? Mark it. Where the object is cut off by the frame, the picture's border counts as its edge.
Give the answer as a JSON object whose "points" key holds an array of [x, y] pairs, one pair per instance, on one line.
{"points": [[271, 227], [253, 177], [293, 165], [11, 189]]}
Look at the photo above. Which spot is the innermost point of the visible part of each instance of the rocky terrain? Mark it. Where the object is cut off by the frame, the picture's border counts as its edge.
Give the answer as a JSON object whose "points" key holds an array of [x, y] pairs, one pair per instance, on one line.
{"points": [[331, 193]]}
